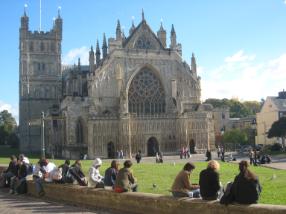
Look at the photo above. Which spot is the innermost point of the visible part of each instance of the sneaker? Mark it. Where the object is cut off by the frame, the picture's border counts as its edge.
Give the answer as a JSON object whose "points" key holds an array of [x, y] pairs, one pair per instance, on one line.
{"points": [[11, 191], [41, 194]]}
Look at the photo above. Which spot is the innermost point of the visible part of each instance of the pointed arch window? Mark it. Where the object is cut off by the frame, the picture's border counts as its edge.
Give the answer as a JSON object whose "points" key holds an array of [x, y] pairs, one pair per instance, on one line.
{"points": [[79, 132], [146, 94]]}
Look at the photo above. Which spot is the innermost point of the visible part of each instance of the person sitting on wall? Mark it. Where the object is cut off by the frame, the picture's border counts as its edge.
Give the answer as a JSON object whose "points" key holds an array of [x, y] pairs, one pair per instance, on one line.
{"points": [[66, 177], [77, 173], [10, 172], [246, 188], [125, 181], [45, 171], [18, 183], [182, 186], [95, 179], [110, 175], [209, 181]]}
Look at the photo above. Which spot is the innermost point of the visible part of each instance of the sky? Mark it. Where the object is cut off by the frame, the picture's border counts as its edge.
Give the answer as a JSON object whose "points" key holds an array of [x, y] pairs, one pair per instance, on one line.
{"points": [[239, 45]]}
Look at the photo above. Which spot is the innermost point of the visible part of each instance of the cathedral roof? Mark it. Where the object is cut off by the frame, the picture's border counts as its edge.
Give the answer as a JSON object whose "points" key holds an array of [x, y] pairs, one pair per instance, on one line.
{"points": [[143, 37]]}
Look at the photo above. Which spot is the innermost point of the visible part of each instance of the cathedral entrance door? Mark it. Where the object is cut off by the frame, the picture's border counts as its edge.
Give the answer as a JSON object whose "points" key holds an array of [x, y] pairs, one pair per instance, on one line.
{"points": [[110, 150], [152, 146], [192, 146]]}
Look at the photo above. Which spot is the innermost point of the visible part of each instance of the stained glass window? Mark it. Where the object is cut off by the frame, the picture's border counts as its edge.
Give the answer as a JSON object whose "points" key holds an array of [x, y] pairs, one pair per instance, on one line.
{"points": [[146, 94]]}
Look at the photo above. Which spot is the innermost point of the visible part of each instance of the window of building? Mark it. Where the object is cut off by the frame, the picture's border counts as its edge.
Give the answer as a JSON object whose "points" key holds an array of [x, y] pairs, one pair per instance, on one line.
{"points": [[146, 94]]}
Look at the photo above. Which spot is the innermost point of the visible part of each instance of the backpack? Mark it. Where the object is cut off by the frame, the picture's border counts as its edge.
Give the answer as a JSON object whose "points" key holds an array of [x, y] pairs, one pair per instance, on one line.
{"points": [[30, 168], [228, 196], [68, 177]]}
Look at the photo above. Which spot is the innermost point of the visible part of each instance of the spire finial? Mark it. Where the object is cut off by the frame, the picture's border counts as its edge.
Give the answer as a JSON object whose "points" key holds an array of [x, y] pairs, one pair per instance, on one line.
{"points": [[78, 62], [91, 48], [161, 25], [25, 9], [143, 18], [59, 11]]}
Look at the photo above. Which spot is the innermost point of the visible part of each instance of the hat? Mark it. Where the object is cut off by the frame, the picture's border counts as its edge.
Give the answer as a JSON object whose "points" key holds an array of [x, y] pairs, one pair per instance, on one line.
{"points": [[97, 162]]}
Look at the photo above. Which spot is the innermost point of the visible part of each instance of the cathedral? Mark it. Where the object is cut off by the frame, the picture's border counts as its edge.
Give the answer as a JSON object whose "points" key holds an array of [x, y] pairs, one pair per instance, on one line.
{"points": [[136, 94]]}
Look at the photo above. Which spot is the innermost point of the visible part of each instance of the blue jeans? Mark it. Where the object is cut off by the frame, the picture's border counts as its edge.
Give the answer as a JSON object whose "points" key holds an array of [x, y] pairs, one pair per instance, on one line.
{"points": [[39, 185], [192, 194]]}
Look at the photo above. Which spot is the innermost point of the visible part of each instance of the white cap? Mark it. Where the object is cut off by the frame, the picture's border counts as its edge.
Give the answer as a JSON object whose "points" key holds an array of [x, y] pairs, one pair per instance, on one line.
{"points": [[97, 162]]}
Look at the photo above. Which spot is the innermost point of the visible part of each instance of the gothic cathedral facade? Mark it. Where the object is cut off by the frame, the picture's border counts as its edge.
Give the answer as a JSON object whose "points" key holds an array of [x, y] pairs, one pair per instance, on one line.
{"points": [[136, 94]]}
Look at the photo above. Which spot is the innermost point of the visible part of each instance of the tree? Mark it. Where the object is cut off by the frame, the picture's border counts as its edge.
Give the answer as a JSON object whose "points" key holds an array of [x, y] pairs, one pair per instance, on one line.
{"points": [[252, 106], [236, 108], [235, 136], [7, 126], [278, 129]]}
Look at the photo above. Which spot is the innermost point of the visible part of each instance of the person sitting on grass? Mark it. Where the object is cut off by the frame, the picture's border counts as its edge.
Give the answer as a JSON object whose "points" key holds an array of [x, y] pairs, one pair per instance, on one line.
{"points": [[182, 186], [95, 179], [209, 181], [110, 175], [246, 188], [125, 181]]}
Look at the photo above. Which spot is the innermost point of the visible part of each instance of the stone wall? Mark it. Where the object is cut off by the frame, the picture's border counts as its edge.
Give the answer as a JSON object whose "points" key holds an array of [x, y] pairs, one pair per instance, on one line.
{"points": [[138, 203]]}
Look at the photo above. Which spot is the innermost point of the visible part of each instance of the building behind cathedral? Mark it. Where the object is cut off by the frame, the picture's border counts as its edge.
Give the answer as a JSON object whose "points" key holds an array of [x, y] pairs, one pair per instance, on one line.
{"points": [[136, 94]]}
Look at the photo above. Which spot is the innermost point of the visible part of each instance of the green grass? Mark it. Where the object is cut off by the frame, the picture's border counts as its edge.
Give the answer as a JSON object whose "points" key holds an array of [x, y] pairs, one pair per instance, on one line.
{"points": [[147, 174]]}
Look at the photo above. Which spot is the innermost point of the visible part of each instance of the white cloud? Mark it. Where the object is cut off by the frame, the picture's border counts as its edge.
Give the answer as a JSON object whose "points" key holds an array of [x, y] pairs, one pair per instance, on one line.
{"points": [[72, 56], [11, 109], [239, 57], [246, 80]]}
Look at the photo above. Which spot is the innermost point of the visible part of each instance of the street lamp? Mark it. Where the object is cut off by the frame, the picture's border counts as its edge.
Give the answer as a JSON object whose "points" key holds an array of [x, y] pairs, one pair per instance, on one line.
{"points": [[43, 133]]}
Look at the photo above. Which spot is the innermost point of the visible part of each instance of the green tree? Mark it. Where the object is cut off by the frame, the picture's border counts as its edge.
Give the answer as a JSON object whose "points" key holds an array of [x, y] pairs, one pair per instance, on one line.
{"points": [[235, 136], [236, 108], [252, 106], [278, 129], [7, 126]]}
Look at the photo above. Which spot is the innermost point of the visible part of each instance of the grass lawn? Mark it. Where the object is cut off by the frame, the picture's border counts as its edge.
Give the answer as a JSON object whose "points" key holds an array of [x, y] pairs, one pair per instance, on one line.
{"points": [[273, 181]]}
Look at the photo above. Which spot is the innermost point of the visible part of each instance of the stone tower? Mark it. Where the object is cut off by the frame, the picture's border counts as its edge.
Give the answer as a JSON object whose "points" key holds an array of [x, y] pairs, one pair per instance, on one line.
{"points": [[39, 79]]}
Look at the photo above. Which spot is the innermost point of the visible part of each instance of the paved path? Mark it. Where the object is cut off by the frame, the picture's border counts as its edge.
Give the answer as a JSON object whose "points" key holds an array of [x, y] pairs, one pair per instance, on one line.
{"points": [[23, 204]]}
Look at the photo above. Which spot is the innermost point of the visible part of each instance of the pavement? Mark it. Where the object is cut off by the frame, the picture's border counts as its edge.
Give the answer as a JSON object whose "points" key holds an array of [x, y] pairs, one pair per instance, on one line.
{"points": [[24, 204]]}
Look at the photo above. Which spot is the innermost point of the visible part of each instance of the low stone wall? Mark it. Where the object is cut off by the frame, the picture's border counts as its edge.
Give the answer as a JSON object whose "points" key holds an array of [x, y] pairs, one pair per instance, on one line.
{"points": [[139, 203]]}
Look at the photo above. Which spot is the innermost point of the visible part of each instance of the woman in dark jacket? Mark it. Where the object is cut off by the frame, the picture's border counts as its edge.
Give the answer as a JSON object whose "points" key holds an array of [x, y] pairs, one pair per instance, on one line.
{"points": [[11, 171], [209, 181], [246, 187], [110, 174]]}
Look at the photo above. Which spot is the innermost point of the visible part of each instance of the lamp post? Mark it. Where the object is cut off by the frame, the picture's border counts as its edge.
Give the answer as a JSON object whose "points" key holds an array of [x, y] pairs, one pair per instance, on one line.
{"points": [[43, 133]]}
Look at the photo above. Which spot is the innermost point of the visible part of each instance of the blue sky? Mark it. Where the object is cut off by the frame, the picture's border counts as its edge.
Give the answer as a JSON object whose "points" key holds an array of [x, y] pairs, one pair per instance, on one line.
{"points": [[240, 45]]}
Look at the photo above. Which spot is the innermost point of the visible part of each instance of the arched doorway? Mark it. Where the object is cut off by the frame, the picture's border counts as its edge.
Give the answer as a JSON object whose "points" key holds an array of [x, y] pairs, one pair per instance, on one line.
{"points": [[152, 146], [192, 146], [110, 150]]}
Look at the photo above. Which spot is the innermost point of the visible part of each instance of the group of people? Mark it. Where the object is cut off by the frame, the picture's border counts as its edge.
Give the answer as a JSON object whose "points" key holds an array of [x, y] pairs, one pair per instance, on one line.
{"points": [[185, 153], [255, 158], [14, 176], [120, 180], [245, 188]]}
